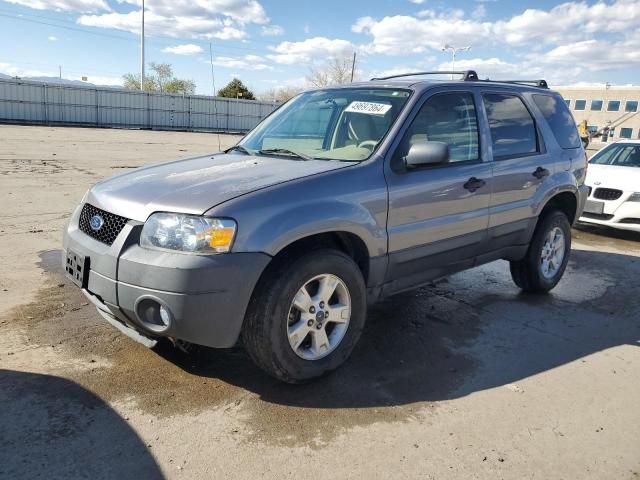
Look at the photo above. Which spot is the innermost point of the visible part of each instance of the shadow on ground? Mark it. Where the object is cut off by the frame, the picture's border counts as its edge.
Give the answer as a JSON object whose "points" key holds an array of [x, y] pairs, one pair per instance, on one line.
{"points": [[54, 428], [472, 332]]}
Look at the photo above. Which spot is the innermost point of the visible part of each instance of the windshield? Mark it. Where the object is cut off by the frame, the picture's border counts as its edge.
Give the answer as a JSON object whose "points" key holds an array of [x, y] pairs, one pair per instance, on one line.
{"points": [[622, 155], [336, 124]]}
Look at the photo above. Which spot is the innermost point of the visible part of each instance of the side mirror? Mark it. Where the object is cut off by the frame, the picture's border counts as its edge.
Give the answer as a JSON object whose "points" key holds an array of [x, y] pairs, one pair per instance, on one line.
{"points": [[426, 153]]}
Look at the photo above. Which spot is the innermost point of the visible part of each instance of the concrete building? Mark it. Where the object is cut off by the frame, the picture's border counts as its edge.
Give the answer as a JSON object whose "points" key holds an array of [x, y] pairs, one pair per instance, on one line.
{"points": [[616, 107]]}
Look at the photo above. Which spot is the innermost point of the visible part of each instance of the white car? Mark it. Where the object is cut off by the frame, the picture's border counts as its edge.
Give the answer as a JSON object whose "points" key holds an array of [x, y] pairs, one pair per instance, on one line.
{"points": [[613, 178]]}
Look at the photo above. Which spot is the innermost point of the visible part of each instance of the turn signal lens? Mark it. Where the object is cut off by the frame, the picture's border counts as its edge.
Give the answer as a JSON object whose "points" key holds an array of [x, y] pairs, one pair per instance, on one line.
{"points": [[222, 238]]}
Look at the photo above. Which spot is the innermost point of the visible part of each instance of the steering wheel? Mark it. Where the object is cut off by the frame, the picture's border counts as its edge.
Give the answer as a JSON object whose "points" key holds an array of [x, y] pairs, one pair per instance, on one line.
{"points": [[370, 144]]}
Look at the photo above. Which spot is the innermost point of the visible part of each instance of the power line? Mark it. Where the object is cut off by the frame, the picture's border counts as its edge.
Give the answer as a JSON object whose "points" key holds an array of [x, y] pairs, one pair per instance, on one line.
{"points": [[157, 39]]}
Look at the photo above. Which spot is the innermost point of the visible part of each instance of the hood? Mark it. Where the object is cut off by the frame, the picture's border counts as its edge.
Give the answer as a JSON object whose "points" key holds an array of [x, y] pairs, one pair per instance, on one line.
{"points": [[613, 176], [195, 185]]}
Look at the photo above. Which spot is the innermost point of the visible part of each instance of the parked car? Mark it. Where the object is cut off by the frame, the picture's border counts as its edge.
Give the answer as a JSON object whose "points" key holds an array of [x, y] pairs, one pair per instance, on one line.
{"points": [[614, 187], [341, 197]]}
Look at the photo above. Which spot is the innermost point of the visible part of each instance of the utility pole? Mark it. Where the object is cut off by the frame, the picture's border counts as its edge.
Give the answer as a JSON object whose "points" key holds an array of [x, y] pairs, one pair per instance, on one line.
{"points": [[213, 78], [60, 71], [353, 66], [142, 50], [454, 51]]}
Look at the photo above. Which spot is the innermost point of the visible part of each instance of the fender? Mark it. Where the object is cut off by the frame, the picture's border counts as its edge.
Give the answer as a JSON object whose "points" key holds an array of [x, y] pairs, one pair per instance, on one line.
{"points": [[559, 182]]}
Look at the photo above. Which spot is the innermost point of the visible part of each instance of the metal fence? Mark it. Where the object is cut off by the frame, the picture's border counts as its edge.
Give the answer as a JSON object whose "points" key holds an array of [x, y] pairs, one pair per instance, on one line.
{"points": [[30, 102]]}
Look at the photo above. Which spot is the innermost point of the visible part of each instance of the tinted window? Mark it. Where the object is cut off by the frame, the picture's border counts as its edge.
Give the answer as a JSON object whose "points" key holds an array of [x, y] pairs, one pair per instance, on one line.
{"points": [[559, 119], [626, 132], [631, 106], [568, 102], [619, 154], [580, 104], [613, 106], [449, 118], [596, 105], [513, 131]]}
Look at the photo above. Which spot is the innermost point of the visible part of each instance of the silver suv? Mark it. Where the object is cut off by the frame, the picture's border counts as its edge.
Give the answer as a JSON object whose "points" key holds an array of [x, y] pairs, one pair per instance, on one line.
{"points": [[341, 197]]}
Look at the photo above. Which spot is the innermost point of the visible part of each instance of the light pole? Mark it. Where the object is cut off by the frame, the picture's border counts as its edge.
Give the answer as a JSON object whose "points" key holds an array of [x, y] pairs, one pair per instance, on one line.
{"points": [[454, 51], [142, 51]]}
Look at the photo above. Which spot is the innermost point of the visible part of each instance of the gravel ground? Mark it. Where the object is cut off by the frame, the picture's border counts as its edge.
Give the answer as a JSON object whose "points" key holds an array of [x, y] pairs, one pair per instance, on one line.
{"points": [[465, 378]]}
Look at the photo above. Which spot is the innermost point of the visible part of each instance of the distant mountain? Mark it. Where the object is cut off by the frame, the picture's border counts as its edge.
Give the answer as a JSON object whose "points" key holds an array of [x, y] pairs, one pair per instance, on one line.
{"points": [[59, 81]]}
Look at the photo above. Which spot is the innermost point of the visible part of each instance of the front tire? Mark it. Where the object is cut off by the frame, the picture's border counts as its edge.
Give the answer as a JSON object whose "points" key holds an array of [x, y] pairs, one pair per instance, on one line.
{"points": [[547, 257], [306, 315]]}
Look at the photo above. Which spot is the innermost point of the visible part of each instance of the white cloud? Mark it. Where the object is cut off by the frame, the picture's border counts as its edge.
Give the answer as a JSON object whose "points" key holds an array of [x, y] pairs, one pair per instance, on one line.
{"points": [[53, 39], [186, 49], [14, 71], [247, 62], [309, 50], [402, 34], [565, 23], [486, 68], [222, 19], [272, 30], [595, 54], [417, 2], [83, 6], [176, 26]]}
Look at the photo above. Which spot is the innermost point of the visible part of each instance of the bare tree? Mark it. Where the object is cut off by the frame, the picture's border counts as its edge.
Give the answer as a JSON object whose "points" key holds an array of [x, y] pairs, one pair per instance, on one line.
{"points": [[279, 95], [336, 71]]}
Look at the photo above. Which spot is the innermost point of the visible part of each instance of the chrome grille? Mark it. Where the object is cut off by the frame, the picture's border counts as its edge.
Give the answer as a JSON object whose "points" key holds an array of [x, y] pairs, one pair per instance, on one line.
{"points": [[113, 224]]}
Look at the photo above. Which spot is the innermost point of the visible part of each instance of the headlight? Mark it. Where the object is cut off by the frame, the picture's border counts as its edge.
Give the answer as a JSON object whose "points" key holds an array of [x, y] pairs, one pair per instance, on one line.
{"points": [[634, 197], [188, 233]]}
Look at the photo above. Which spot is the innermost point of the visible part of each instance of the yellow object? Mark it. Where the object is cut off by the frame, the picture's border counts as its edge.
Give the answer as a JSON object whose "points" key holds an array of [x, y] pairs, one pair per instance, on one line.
{"points": [[222, 238], [582, 129]]}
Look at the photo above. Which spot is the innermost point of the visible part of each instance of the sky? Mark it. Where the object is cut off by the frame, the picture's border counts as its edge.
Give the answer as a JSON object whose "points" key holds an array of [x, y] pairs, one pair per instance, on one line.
{"points": [[274, 43]]}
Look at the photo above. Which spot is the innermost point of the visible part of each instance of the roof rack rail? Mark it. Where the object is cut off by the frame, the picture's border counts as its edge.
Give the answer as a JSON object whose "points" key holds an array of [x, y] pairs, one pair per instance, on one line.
{"points": [[467, 75], [538, 83]]}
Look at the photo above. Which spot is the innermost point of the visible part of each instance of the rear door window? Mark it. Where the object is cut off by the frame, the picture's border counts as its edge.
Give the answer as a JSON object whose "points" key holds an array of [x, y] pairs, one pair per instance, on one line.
{"points": [[557, 115], [513, 131]]}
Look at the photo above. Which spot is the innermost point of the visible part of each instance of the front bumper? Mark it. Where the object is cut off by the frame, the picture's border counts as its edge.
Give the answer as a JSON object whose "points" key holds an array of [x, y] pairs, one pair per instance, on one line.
{"points": [[620, 214], [206, 295]]}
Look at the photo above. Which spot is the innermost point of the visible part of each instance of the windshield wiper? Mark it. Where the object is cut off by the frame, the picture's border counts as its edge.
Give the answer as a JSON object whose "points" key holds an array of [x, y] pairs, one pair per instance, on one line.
{"points": [[239, 148], [284, 151]]}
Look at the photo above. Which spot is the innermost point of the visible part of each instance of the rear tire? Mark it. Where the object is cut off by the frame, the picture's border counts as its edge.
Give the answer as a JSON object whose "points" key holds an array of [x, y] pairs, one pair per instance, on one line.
{"points": [[542, 267], [278, 311]]}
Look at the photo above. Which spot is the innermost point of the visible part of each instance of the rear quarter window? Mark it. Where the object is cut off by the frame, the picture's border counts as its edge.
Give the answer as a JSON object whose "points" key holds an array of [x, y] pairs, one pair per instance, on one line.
{"points": [[559, 118], [513, 130]]}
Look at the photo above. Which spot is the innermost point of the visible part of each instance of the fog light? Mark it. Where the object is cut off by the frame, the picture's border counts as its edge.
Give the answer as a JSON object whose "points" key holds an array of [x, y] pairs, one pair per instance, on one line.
{"points": [[153, 314], [165, 316]]}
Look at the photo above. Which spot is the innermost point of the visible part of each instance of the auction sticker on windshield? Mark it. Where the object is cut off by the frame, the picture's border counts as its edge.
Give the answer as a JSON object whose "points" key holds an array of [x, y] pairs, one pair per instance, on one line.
{"points": [[370, 108]]}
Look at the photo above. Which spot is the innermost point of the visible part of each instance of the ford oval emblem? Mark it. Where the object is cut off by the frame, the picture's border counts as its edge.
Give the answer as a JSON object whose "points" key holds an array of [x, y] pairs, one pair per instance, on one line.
{"points": [[96, 222]]}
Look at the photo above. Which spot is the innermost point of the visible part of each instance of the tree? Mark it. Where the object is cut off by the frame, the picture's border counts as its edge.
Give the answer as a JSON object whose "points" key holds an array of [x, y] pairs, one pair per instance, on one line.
{"points": [[161, 80], [280, 95], [336, 71], [236, 89]]}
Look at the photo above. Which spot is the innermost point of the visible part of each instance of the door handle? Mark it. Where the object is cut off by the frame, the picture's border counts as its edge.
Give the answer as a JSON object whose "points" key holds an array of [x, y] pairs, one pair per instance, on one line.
{"points": [[474, 184], [541, 173]]}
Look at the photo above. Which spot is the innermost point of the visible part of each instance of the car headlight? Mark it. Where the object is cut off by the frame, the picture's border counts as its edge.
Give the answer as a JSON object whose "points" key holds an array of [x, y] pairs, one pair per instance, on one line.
{"points": [[188, 233], [635, 197]]}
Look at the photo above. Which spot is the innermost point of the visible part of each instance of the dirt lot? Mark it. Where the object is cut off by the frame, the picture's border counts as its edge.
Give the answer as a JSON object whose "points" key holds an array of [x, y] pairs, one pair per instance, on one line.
{"points": [[467, 378]]}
